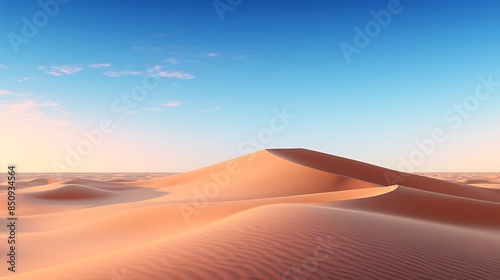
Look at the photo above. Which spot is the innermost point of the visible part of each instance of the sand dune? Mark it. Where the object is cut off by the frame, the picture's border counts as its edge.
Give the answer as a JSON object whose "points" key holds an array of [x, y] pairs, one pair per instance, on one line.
{"points": [[103, 185], [119, 180], [478, 181], [482, 180], [382, 176], [277, 214], [77, 183], [257, 176], [71, 192], [32, 183], [428, 206]]}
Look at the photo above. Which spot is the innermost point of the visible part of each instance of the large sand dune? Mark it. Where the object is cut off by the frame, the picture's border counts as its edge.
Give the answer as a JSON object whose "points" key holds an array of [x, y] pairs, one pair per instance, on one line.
{"points": [[274, 214]]}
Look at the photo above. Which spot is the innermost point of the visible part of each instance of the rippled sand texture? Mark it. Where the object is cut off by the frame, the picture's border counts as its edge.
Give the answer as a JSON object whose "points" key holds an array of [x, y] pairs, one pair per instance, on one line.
{"points": [[275, 214]]}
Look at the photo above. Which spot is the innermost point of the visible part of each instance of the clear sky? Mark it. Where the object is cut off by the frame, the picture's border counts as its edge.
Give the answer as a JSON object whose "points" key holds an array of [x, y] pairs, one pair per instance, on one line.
{"points": [[176, 85]]}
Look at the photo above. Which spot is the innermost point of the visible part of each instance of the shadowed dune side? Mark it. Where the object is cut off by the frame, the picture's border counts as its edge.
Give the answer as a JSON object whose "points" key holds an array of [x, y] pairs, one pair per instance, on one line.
{"points": [[382, 176], [328, 243], [71, 192], [428, 206]]}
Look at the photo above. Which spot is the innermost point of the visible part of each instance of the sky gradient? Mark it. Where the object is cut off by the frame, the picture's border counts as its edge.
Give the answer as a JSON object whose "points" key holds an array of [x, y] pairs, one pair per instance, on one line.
{"points": [[177, 85]]}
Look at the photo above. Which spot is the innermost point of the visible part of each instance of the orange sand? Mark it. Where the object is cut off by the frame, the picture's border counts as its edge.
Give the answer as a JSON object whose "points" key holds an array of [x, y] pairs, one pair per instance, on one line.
{"points": [[275, 214]]}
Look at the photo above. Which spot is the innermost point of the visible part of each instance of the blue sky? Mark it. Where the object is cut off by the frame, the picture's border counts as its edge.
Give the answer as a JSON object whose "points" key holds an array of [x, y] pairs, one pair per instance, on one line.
{"points": [[223, 80]]}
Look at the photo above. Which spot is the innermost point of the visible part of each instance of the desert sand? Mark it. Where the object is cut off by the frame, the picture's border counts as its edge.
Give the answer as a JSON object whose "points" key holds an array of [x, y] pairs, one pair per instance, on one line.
{"points": [[274, 214]]}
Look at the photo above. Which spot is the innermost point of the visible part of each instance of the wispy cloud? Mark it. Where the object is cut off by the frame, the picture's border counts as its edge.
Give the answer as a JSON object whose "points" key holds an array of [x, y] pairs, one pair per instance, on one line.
{"points": [[3, 67], [67, 69], [60, 70], [32, 110], [155, 71], [172, 104], [99, 65], [175, 74], [184, 52], [121, 73], [4, 92], [8, 92], [24, 106], [23, 79]]}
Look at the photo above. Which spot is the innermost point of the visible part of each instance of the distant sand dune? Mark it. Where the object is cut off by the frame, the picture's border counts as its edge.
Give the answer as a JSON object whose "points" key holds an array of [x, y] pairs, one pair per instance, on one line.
{"points": [[73, 192], [108, 186], [488, 186], [33, 183], [119, 180], [478, 181]]}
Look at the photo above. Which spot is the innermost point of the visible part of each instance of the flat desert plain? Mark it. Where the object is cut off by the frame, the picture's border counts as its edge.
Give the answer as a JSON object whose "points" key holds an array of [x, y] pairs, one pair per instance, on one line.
{"points": [[274, 214]]}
